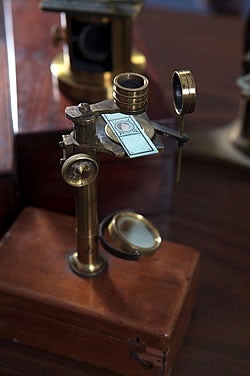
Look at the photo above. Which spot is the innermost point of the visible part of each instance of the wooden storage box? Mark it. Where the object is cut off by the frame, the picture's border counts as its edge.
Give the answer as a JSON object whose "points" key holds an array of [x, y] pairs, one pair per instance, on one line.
{"points": [[130, 320]]}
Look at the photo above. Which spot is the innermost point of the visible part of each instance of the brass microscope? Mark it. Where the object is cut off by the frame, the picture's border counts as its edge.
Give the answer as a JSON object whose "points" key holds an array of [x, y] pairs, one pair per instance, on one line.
{"points": [[122, 128], [131, 319]]}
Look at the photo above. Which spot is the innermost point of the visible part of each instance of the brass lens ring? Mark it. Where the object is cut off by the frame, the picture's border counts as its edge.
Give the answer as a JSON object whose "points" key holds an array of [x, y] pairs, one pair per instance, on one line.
{"points": [[134, 233], [130, 92], [184, 92]]}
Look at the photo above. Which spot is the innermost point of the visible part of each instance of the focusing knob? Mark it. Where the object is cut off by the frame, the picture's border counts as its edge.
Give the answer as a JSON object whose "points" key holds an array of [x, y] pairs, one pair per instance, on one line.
{"points": [[79, 170]]}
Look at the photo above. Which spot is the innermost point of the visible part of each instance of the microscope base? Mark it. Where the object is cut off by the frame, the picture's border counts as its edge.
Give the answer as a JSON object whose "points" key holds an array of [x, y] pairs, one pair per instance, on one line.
{"points": [[130, 320]]}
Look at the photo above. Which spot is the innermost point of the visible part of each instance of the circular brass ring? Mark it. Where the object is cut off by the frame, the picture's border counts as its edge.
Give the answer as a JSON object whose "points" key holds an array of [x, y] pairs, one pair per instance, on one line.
{"points": [[122, 229], [184, 92], [87, 270], [80, 170]]}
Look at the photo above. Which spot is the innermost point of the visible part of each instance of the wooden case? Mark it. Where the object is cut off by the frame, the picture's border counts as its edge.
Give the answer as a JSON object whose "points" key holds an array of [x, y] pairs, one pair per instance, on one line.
{"points": [[130, 320]]}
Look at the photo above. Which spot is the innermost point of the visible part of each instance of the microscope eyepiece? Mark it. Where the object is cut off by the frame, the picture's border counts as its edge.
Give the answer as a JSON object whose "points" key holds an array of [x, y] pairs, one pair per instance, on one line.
{"points": [[130, 92]]}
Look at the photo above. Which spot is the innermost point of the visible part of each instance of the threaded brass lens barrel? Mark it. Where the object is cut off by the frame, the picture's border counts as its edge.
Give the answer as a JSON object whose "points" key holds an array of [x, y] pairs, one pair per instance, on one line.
{"points": [[184, 92], [130, 92]]}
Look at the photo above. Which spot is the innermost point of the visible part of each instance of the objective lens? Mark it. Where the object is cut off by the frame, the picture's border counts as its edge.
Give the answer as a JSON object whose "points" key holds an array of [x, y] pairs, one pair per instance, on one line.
{"points": [[130, 92]]}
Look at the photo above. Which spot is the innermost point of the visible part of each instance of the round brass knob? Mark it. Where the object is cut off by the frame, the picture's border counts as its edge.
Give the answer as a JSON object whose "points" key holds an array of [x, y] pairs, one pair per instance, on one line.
{"points": [[79, 170]]}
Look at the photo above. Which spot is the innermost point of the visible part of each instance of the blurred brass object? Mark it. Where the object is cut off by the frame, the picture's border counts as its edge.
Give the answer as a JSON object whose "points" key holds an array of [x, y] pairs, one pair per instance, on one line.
{"points": [[229, 143], [241, 136], [97, 40], [90, 86]]}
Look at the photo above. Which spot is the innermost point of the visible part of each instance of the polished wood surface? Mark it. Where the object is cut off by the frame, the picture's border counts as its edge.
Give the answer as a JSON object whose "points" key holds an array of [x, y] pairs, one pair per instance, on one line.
{"points": [[210, 207], [139, 308]]}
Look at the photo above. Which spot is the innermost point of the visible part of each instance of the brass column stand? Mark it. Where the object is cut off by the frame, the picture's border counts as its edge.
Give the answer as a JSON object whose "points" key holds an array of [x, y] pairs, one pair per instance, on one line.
{"points": [[80, 171], [87, 261]]}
